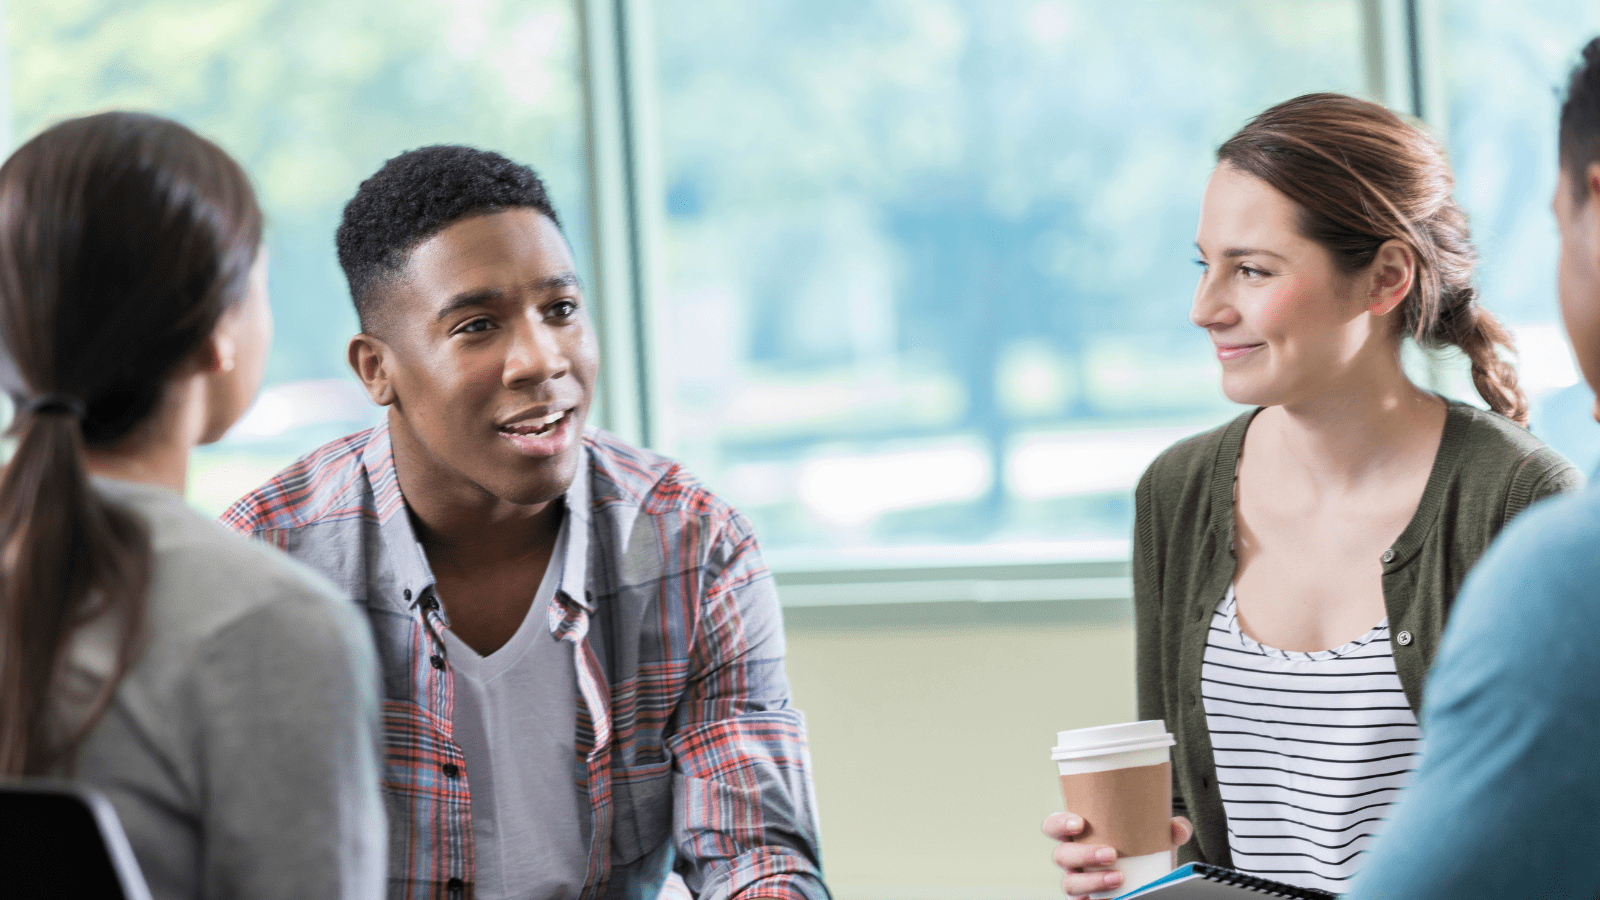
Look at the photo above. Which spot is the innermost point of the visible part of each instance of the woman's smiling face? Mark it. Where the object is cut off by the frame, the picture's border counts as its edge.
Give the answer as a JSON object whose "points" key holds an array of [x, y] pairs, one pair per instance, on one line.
{"points": [[1287, 325]]}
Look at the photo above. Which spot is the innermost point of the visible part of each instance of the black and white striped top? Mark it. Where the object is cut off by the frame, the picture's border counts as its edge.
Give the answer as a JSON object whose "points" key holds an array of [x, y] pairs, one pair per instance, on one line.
{"points": [[1311, 749]]}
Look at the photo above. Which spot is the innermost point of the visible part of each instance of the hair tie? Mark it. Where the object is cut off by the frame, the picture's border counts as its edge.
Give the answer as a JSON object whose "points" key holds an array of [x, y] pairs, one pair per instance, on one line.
{"points": [[55, 404]]}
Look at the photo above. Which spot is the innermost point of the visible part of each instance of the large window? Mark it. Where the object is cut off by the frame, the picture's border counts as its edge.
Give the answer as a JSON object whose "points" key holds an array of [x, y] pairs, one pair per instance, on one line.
{"points": [[925, 268], [906, 280]]}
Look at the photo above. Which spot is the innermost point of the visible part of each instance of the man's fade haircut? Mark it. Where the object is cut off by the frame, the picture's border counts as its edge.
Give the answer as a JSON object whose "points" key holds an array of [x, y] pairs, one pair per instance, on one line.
{"points": [[415, 196], [1580, 120]]}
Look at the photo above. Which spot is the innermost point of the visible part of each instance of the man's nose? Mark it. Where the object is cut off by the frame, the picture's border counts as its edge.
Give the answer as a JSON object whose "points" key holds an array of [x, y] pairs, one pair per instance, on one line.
{"points": [[535, 354]]}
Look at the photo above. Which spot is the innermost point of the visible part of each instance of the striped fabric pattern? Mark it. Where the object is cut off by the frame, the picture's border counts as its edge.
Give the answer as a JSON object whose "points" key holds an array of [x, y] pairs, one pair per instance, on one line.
{"points": [[696, 762], [1311, 749]]}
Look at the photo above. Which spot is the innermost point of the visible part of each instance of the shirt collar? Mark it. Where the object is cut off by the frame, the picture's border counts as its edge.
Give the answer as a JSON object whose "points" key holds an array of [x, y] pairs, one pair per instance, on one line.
{"points": [[575, 561], [409, 577], [409, 561]]}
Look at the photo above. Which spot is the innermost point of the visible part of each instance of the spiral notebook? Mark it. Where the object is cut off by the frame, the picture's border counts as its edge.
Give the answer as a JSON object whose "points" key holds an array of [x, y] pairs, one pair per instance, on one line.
{"points": [[1201, 881]]}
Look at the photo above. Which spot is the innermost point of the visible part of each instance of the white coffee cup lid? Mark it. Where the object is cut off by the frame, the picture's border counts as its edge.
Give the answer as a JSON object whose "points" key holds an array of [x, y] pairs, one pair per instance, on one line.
{"points": [[1123, 737]]}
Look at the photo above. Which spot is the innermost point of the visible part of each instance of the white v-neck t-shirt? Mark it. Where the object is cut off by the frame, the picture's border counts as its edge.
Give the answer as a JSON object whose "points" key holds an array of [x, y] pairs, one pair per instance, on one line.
{"points": [[515, 719]]}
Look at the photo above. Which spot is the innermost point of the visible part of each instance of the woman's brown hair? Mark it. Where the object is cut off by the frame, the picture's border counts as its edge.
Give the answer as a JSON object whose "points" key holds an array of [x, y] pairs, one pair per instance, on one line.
{"points": [[123, 239], [1362, 176]]}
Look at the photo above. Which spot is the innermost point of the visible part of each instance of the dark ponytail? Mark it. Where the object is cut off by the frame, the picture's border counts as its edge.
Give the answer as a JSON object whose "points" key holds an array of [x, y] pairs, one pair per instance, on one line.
{"points": [[1362, 176], [123, 239], [68, 558]]}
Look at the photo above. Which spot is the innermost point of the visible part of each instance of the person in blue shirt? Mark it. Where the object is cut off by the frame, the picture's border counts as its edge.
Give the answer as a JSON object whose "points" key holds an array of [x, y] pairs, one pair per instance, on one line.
{"points": [[1505, 799]]}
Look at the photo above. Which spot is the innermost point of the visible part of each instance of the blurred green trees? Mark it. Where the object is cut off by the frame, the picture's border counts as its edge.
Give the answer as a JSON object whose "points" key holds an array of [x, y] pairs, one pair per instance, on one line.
{"points": [[311, 96]]}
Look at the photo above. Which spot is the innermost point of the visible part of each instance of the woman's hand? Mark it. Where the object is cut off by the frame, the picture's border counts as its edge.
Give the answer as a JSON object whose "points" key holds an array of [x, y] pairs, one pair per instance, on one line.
{"points": [[1087, 866]]}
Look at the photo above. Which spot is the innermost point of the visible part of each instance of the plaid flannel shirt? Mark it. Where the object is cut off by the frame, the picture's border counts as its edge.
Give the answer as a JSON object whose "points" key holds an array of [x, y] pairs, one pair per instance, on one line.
{"points": [[695, 760]]}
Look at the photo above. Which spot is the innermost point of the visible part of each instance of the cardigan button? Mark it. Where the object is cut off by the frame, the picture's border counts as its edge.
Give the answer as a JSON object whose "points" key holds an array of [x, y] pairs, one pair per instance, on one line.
{"points": [[1404, 638], [1388, 555]]}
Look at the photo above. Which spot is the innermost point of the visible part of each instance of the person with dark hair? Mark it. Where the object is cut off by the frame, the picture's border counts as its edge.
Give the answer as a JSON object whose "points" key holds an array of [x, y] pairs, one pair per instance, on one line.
{"points": [[582, 650], [1504, 801], [220, 695], [1293, 569]]}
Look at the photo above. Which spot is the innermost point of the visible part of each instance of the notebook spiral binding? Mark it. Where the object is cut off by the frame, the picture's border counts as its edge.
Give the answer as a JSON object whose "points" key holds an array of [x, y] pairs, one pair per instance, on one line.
{"points": [[1260, 885]]}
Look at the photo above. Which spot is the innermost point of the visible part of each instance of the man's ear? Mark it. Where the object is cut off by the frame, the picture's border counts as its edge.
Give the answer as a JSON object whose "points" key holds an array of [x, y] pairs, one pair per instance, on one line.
{"points": [[1392, 272], [371, 359]]}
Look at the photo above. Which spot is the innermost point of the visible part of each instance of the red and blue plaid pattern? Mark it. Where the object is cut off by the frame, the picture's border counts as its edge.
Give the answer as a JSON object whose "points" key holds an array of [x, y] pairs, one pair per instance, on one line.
{"points": [[683, 703]]}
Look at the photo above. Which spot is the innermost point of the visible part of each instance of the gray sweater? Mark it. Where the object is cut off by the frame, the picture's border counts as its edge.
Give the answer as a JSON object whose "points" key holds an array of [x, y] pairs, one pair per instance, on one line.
{"points": [[242, 752]]}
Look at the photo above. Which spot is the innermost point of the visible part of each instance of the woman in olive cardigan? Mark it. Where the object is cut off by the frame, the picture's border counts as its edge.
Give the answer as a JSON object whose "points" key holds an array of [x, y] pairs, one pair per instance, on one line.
{"points": [[1349, 495]]}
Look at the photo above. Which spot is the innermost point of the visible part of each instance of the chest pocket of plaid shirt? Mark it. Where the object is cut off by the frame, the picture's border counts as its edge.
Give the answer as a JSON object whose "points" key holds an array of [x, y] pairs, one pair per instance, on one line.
{"points": [[643, 804]]}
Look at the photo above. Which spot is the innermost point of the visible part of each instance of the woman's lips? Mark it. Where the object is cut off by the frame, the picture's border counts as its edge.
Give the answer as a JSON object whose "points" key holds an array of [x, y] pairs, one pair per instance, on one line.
{"points": [[1226, 352]]}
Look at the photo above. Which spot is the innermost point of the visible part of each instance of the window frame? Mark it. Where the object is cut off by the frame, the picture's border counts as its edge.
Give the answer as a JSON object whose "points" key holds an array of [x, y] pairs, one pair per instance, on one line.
{"points": [[616, 38]]}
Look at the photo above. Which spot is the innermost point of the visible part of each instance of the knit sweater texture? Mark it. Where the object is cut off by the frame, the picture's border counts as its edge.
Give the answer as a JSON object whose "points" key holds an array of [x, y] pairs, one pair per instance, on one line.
{"points": [[1486, 471]]}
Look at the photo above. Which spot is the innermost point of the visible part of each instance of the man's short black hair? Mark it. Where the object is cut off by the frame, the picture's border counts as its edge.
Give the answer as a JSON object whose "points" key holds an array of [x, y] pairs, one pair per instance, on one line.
{"points": [[1580, 119], [415, 196]]}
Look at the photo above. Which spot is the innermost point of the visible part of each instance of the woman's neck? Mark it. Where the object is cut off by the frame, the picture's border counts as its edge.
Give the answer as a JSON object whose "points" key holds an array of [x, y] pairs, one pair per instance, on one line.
{"points": [[157, 453], [1342, 439]]}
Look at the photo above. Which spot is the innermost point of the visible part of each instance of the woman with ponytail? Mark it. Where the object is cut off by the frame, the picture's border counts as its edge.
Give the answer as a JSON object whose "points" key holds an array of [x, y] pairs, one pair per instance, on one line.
{"points": [[1293, 569], [222, 697]]}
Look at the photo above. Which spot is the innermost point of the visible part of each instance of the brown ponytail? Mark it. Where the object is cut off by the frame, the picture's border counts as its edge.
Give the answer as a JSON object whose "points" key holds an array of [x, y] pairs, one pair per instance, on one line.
{"points": [[123, 238], [1463, 323], [1362, 176]]}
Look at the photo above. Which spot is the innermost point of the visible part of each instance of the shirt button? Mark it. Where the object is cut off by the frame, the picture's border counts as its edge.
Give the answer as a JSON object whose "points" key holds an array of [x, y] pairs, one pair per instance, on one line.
{"points": [[1388, 555], [450, 770], [455, 886], [1404, 638], [437, 660], [408, 595]]}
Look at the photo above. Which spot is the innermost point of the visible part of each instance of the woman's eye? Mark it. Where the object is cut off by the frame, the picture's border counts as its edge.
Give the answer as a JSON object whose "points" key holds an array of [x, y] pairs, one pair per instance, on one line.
{"points": [[1252, 272], [1204, 266]]}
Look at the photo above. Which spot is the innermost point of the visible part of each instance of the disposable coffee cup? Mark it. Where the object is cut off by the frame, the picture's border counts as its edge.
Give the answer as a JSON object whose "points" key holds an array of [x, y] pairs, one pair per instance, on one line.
{"points": [[1118, 778]]}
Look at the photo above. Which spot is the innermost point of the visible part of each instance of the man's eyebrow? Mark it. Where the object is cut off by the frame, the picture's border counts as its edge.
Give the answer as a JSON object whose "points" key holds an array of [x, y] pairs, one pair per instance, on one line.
{"points": [[489, 295], [469, 298]]}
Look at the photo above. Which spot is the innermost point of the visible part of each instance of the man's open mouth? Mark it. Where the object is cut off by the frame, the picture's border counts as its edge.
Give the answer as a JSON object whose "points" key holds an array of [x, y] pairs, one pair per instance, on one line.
{"points": [[537, 427]]}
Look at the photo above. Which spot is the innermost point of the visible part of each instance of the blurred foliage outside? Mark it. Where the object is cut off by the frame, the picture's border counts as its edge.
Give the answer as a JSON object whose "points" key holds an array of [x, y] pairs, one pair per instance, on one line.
{"points": [[312, 97], [926, 263], [917, 238]]}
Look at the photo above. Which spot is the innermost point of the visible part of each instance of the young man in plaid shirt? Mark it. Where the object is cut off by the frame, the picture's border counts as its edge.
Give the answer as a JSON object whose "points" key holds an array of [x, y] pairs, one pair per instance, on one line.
{"points": [[581, 648]]}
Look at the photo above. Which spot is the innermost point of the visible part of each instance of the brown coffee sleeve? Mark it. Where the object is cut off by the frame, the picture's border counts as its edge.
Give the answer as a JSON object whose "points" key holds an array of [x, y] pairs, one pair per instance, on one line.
{"points": [[1129, 809]]}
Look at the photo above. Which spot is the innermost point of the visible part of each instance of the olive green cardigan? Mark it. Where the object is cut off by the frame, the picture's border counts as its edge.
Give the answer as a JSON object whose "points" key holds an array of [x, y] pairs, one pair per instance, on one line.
{"points": [[1487, 470]]}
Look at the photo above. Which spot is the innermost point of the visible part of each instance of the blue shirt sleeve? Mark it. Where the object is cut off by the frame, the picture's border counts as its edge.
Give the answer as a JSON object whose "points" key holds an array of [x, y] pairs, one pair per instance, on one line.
{"points": [[1505, 799]]}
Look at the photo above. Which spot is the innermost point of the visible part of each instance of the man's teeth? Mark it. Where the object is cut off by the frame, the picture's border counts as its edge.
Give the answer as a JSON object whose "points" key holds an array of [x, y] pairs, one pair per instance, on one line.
{"points": [[537, 426]]}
